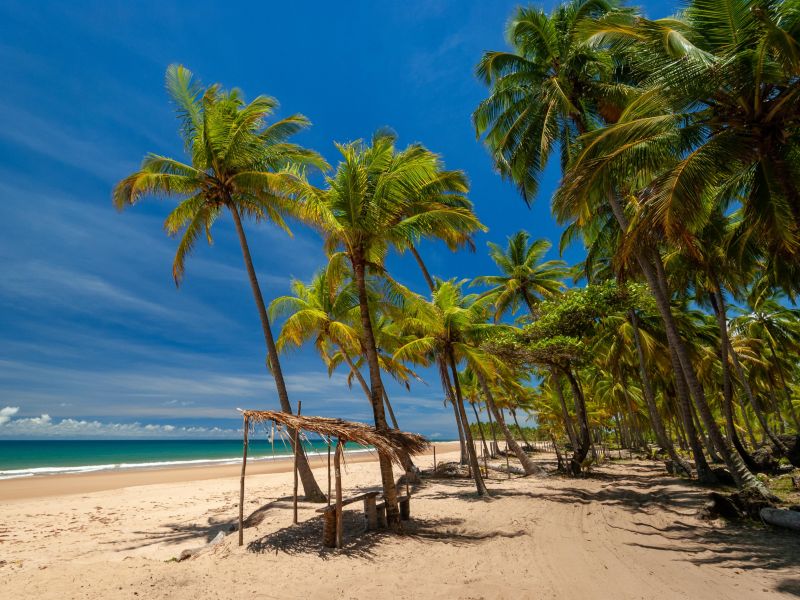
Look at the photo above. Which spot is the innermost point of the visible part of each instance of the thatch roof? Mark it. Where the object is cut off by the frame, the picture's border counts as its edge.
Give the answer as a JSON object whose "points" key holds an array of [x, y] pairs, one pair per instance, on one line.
{"points": [[388, 443]]}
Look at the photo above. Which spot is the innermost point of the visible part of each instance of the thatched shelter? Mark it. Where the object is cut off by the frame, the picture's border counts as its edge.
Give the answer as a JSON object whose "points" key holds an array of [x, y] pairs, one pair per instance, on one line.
{"points": [[391, 443]]}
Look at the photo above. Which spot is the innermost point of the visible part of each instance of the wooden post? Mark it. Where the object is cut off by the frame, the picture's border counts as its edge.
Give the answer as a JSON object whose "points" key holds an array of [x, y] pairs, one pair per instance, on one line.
{"points": [[329, 471], [434, 459], [296, 453], [241, 483], [338, 476]]}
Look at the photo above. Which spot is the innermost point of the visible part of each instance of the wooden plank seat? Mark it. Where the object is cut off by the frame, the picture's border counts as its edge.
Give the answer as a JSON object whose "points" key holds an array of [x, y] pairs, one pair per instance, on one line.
{"points": [[371, 514], [404, 503]]}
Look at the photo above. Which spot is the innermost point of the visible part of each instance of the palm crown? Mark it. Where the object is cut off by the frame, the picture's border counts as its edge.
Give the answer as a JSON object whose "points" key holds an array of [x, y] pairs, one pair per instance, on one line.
{"points": [[237, 162]]}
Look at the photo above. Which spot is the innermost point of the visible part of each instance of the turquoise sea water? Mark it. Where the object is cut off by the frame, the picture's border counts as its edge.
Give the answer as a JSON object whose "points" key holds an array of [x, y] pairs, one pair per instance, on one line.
{"points": [[28, 458]]}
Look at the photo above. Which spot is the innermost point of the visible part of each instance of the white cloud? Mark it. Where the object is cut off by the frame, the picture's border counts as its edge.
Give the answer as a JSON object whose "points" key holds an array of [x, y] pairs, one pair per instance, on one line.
{"points": [[6, 413], [46, 426]]}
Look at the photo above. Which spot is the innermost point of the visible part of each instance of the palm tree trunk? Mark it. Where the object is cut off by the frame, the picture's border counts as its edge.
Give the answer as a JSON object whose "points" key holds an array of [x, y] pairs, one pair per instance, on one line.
{"points": [[376, 389], [647, 387], [573, 439], [480, 428], [521, 432], [405, 459], [678, 354], [449, 395], [530, 467], [311, 489], [727, 387], [722, 320], [785, 386], [480, 486], [495, 445], [584, 438], [423, 268]]}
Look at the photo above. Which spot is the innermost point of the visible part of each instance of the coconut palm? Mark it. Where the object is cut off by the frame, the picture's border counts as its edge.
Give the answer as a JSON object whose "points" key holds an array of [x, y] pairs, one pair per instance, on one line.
{"points": [[238, 164], [524, 277], [550, 88], [377, 198]]}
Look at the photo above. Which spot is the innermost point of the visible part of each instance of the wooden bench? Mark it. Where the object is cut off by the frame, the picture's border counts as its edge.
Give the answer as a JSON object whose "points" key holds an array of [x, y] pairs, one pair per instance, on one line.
{"points": [[374, 514], [403, 501], [371, 514]]}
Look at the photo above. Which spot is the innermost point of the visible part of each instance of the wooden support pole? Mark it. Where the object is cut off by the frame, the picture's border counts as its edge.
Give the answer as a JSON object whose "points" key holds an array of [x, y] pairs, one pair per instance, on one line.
{"points": [[434, 459], [329, 471], [338, 475], [241, 484], [296, 454]]}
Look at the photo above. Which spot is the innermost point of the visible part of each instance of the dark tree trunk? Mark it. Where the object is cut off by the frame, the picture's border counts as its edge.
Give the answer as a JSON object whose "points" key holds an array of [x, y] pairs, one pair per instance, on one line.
{"points": [[376, 388], [584, 438], [573, 439], [312, 491]]}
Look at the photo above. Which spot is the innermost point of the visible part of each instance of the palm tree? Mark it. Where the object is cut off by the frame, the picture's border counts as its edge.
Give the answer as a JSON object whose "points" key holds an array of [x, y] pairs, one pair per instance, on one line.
{"points": [[524, 277], [378, 198], [551, 88], [436, 328], [239, 164], [728, 93]]}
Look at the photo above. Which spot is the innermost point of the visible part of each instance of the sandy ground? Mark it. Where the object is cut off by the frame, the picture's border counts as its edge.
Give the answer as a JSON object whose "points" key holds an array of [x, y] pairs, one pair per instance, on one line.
{"points": [[626, 532]]}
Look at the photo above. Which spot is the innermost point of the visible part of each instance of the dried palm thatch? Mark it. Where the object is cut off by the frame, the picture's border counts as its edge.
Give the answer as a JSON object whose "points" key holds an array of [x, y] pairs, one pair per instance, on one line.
{"points": [[388, 443]]}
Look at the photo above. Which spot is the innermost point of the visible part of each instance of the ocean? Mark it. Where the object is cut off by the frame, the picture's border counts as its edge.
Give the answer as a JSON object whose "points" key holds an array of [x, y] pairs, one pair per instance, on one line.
{"points": [[30, 458]]}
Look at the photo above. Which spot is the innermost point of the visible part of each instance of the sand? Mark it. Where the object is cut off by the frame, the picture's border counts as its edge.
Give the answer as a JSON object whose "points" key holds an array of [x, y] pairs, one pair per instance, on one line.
{"points": [[629, 531]]}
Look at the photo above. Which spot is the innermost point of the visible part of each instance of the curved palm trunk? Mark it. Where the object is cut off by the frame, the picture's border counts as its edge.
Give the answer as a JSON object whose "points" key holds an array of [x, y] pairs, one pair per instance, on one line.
{"points": [[311, 489], [405, 459], [450, 397], [521, 432], [727, 387], [480, 428], [495, 445], [530, 467], [743, 477], [647, 387], [376, 389], [480, 486], [656, 281], [422, 267]]}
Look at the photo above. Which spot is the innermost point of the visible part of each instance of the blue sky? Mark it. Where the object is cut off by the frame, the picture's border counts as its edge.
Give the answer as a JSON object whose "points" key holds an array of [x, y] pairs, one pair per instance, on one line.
{"points": [[94, 337]]}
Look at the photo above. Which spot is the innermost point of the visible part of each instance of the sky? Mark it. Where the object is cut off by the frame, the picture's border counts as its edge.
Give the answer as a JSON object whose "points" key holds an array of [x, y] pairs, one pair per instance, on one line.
{"points": [[95, 338]]}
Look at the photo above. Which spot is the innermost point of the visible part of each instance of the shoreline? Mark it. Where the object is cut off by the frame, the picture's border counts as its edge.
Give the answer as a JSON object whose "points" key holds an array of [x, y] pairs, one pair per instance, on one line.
{"points": [[47, 486]]}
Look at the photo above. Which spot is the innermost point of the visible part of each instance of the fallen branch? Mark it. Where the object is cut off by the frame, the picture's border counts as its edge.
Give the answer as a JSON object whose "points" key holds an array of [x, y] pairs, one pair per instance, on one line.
{"points": [[194, 552], [781, 517]]}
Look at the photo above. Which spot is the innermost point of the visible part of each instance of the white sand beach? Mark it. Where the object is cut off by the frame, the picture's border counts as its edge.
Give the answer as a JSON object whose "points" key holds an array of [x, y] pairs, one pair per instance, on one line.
{"points": [[628, 531]]}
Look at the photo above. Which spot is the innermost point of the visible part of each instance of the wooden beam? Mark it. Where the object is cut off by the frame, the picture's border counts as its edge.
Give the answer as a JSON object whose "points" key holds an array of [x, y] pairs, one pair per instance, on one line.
{"points": [[338, 476], [241, 483], [296, 454]]}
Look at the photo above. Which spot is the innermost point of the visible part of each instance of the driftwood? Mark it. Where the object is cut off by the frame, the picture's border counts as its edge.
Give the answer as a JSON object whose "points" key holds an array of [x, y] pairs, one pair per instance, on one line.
{"points": [[194, 552], [789, 519], [507, 469]]}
